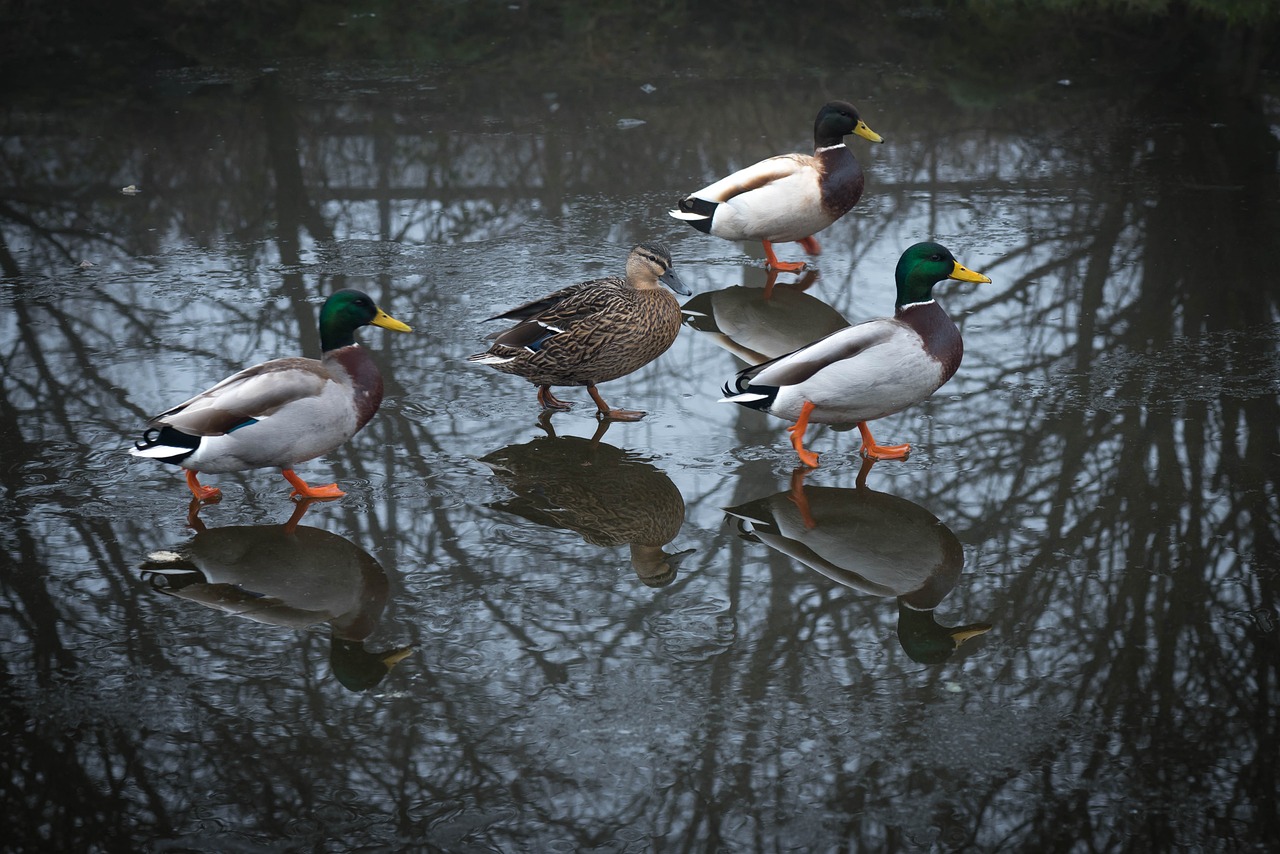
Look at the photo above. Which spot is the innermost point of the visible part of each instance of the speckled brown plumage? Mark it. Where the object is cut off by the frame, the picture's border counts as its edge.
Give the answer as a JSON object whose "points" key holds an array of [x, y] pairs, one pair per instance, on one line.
{"points": [[592, 332]]}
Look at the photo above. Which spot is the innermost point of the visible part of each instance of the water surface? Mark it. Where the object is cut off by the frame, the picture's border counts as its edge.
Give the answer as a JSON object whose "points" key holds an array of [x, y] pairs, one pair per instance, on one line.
{"points": [[600, 656]]}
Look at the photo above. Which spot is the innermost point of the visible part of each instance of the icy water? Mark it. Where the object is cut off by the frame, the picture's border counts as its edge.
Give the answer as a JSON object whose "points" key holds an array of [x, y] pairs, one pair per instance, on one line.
{"points": [[627, 639]]}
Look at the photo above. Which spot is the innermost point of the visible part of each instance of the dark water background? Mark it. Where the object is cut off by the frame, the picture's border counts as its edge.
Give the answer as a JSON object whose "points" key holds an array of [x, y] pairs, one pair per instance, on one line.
{"points": [[599, 656]]}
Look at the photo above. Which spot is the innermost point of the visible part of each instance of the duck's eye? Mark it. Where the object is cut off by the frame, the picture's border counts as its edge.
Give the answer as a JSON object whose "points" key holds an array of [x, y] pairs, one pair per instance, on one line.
{"points": [[935, 257]]}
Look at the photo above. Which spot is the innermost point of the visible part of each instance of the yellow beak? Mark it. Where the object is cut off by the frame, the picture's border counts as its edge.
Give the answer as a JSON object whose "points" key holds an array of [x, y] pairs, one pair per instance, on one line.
{"points": [[867, 133], [962, 273], [386, 321]]}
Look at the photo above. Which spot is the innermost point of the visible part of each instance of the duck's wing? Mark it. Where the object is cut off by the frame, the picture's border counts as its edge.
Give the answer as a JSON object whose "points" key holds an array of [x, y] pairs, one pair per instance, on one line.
{"points": [[243, 398], [799, 365], [755, 176], [558, 312]]}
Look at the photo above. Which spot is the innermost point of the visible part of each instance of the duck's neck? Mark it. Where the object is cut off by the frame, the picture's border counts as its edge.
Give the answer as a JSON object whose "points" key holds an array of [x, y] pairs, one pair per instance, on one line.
{"points": [[841, 179], [937, 332], [366, 381]]}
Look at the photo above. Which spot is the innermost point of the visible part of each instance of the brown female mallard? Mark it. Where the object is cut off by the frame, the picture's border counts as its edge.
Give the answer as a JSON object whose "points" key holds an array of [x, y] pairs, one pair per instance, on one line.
{"points": [[592, 332]]}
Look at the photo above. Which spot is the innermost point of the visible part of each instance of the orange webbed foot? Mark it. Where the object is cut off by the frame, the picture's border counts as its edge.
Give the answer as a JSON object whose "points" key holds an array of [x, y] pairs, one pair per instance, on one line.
{"points": [[796, 430], [771, 261], [547, 400], [203, 494], [873, 451], [604, 411], [301, 489]]}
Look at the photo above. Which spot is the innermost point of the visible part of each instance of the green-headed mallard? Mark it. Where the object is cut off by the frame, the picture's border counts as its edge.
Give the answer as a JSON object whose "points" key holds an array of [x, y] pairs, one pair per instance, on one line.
{"points": [[286, 575], [790, 197], [278, 413], [592, 332], [870, 370], [874, 543]]}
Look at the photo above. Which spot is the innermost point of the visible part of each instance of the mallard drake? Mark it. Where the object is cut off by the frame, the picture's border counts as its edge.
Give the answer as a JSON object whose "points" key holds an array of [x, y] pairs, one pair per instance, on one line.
{"points": [[870, 370], [790, 197], [278, 413], [286, 575], [871, 542], [592, 332]]}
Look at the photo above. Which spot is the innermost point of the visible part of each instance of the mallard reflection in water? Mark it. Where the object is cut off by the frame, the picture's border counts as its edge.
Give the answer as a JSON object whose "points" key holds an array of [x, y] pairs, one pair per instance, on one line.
{"points": [[608, 496], [758, 325], [286, 575], [871, 542]]}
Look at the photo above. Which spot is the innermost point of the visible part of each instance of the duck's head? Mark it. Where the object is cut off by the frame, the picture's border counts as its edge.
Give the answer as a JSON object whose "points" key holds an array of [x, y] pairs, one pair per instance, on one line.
{"points": [[345, 312], [924, 265], [838, 119], [650, 263]]}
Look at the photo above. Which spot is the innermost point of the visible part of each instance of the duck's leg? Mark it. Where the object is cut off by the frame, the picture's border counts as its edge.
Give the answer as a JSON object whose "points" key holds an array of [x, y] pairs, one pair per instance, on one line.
{"points": [[547, 400], [796, 430], [194, 522], [206, 494], [300, 510], [770, 279], [771, 260], [880, 452], [800, 499], [303, 489], [615, 414], [810, 245]]}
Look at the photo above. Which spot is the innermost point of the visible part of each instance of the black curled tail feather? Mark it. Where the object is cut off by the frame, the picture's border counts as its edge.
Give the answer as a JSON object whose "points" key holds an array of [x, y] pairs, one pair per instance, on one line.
{"points": [[742, 385], [702, 208], [156, 440]]}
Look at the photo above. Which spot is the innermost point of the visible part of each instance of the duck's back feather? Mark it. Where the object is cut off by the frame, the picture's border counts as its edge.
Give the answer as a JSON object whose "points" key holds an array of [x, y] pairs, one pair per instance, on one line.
{"points": [[253, 393]]}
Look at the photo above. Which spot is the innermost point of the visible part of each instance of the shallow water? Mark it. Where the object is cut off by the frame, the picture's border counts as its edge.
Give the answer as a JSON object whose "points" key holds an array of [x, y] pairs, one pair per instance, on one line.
{"points": [[600, 655]]}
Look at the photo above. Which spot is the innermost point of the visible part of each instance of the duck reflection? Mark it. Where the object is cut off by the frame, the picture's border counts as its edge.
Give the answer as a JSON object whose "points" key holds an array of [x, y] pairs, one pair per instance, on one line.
{"points": [[286, 575], [606, 495], [872, 542], [758, 325]]}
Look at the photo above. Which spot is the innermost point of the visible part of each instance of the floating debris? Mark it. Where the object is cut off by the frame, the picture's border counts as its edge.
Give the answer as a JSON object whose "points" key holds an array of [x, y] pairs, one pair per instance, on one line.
{"points": [[131, 190], [628, 124]]}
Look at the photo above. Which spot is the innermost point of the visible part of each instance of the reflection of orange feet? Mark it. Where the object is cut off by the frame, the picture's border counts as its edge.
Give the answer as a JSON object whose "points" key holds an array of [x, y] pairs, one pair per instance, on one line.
{"points": [[205, 494], [300, 510], [872, 451], [800, 499], [194, 521], [810, 245], [303, 490], [771, 260], [796, 430]]}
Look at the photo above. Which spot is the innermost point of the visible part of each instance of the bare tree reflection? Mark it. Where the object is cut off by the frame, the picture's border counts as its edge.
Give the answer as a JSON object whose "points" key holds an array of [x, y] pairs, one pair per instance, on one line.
{"points": [[1106, 456]]}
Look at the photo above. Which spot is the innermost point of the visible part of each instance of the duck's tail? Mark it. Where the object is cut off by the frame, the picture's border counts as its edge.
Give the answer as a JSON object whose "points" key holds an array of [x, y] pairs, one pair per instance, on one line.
{"points": [[697, 212], [165, 444]]}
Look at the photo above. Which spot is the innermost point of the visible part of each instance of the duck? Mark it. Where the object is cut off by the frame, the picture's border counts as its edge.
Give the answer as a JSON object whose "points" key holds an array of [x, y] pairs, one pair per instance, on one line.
{"points": [[756, 326], [278, 413], [290, 575], [608, 496], [870, 370], [873, 543], [790, 197], [592, 332]]}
